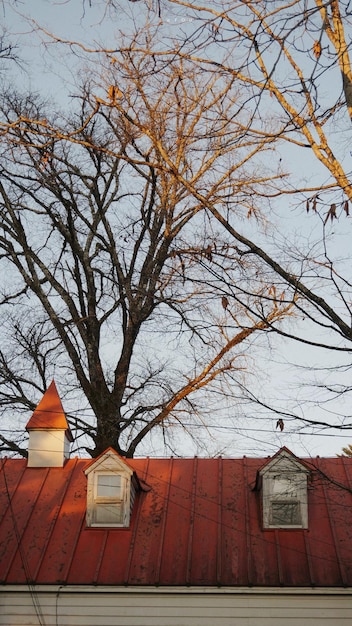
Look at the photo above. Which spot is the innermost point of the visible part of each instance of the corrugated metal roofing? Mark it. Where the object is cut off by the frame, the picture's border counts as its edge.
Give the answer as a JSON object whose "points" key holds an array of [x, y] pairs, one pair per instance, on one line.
{"points": [[198, 524]]}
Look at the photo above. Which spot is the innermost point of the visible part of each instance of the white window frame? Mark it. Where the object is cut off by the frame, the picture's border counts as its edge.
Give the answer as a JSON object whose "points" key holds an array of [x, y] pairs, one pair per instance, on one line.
{"points": [[281, 505], [115, 500], [107, 498]]}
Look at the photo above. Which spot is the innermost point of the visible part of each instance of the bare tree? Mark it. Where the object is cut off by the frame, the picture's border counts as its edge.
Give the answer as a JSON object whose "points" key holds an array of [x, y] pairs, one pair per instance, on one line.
{"points": [[284, 76], [7, 49], [294, 60], [104, 247], [291, 63]]}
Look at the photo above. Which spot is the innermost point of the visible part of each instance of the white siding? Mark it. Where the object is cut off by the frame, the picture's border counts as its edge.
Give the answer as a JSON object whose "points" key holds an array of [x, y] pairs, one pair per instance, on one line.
{"points": [[118, 607]]}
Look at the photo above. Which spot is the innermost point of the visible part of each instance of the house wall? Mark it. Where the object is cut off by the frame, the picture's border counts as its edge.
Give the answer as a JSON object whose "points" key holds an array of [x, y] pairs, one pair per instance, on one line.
{"points": [[92, 606]]}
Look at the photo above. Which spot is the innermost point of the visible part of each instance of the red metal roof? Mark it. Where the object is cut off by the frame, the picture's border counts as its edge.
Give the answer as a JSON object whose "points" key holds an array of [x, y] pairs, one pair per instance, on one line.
{"points": [[198, 524], [49, 413]]}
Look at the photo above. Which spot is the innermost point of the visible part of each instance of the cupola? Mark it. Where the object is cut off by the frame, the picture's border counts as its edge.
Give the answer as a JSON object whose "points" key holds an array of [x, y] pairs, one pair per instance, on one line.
{"points": [[49, 433]]}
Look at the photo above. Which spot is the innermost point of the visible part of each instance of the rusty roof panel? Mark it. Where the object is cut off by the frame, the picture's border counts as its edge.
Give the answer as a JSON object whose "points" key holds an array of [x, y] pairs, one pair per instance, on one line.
{"points": [[292, 558], [16, 554], [197, 523], [88, 555], [333, 488], [177, 535], [69, 517]]}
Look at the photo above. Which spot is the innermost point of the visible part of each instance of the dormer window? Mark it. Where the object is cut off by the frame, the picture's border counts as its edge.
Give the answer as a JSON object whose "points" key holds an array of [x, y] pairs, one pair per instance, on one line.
{"points": [[284, 492], [111, 491]]}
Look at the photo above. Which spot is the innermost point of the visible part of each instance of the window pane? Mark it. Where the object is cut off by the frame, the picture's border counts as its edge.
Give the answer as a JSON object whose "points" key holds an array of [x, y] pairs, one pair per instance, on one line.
{"points": [[108, 486], [285, 513], [285, 486], [108, 514]]}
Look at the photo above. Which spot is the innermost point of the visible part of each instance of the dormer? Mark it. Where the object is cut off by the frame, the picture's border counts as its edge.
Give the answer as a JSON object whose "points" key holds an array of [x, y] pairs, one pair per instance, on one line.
{"points": [[283, 484], [111, 490], [49, 433]]}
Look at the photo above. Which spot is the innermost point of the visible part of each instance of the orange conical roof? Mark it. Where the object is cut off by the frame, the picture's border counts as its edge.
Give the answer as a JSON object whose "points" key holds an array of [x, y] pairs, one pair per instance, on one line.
{"points": [[49, 413]]}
